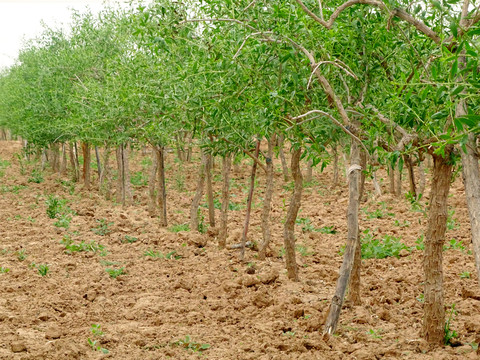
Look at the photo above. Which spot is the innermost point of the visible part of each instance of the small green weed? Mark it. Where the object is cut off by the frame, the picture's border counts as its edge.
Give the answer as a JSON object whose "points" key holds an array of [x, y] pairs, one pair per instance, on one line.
{"points": [[451, 222], [36, 177], [465, 275], [449, 333], [103, 227], [306, 223], [21, 255], [379, 248], [97, 333], [14, 189], [179, 227], [375, 334], [71, 247], [405, 223], [420, 243], [328, 230], [129, 239], [159, 255], [114, 273], [189, 344], [153, 254], [43, 269], [4, 270], [139, 179], [388, 245], [454, 244]]}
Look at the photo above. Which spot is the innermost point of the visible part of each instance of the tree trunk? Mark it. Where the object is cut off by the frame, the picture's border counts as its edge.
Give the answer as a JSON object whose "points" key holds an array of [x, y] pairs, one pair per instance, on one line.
{"points": [[64, 165], [411, 176], [363, 164], [249, 203], [292, 212], [162, 189], [86, 165], [99, 163], [105, 181], [179, 148], [71, 156], [309, 172], [335, 166], [281, 153], [354, 281], [210, 202], [227, 163], [422, 180], [434, 317], [77, 162], [55, 157], [124, 190], [267, 200], [152, 199], [391, 177], [354, 174], [398, 180], [198, 196], [471, 179]]}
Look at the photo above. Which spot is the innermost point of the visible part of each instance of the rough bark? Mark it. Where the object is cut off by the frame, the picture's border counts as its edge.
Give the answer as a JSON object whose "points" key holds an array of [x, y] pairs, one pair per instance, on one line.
{"points": [[152, 199], [249, 203], [55, 157], [309, 172], [434, 310], [86, 165], [391, 177], [398, 180], [363, 164], [99, 163], [77, 162], [335, 166], [292, 212], [210, 202], [354, 281], [281, 153], [227, 164], [124, 189], [267, 200], [411, 175], [105, 181], [162, 188], [471, 179], [421, 178], [198, 196], [64, 165], [350, 249]]}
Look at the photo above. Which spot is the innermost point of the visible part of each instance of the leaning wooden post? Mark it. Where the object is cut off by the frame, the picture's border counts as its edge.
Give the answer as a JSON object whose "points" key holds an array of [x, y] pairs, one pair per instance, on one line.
{"points": [[353, 175]]}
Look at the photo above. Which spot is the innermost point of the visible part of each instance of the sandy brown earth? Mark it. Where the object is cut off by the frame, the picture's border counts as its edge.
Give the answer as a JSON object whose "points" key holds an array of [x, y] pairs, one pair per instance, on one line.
{"points": [[172, 308]]}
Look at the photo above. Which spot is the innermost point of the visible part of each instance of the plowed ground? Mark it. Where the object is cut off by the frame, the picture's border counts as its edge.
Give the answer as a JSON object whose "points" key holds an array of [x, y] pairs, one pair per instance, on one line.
{"points": [[200, 302]]}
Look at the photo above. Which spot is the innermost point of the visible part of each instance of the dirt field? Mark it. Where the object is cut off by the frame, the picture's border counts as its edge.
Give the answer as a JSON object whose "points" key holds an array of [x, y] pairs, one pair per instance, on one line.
{"points": [[200, 302]]}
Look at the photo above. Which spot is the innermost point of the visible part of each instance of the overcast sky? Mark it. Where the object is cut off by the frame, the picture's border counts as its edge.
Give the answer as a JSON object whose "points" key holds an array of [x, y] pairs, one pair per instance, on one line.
{"points": [[21, 19]]}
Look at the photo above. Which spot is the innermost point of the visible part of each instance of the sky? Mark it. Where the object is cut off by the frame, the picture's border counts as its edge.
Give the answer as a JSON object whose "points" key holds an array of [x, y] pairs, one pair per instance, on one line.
{"points": [[21, 19]]}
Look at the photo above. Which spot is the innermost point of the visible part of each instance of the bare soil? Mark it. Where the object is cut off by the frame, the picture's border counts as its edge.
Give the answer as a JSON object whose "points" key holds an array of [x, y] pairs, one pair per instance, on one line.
{"points": [[238, 310]]}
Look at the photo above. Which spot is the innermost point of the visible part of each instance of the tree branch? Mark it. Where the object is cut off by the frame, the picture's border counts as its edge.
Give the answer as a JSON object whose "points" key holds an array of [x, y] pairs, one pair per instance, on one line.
{"points": [[401, 14], [345, 129]]}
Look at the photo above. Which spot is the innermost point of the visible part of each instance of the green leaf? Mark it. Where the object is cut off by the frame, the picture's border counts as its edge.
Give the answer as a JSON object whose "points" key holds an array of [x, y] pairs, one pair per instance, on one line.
{"points": [[474, 32], [457, 90], [437, 5], [439, 115], [471, 120], [454, 69], [454, 28]]}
